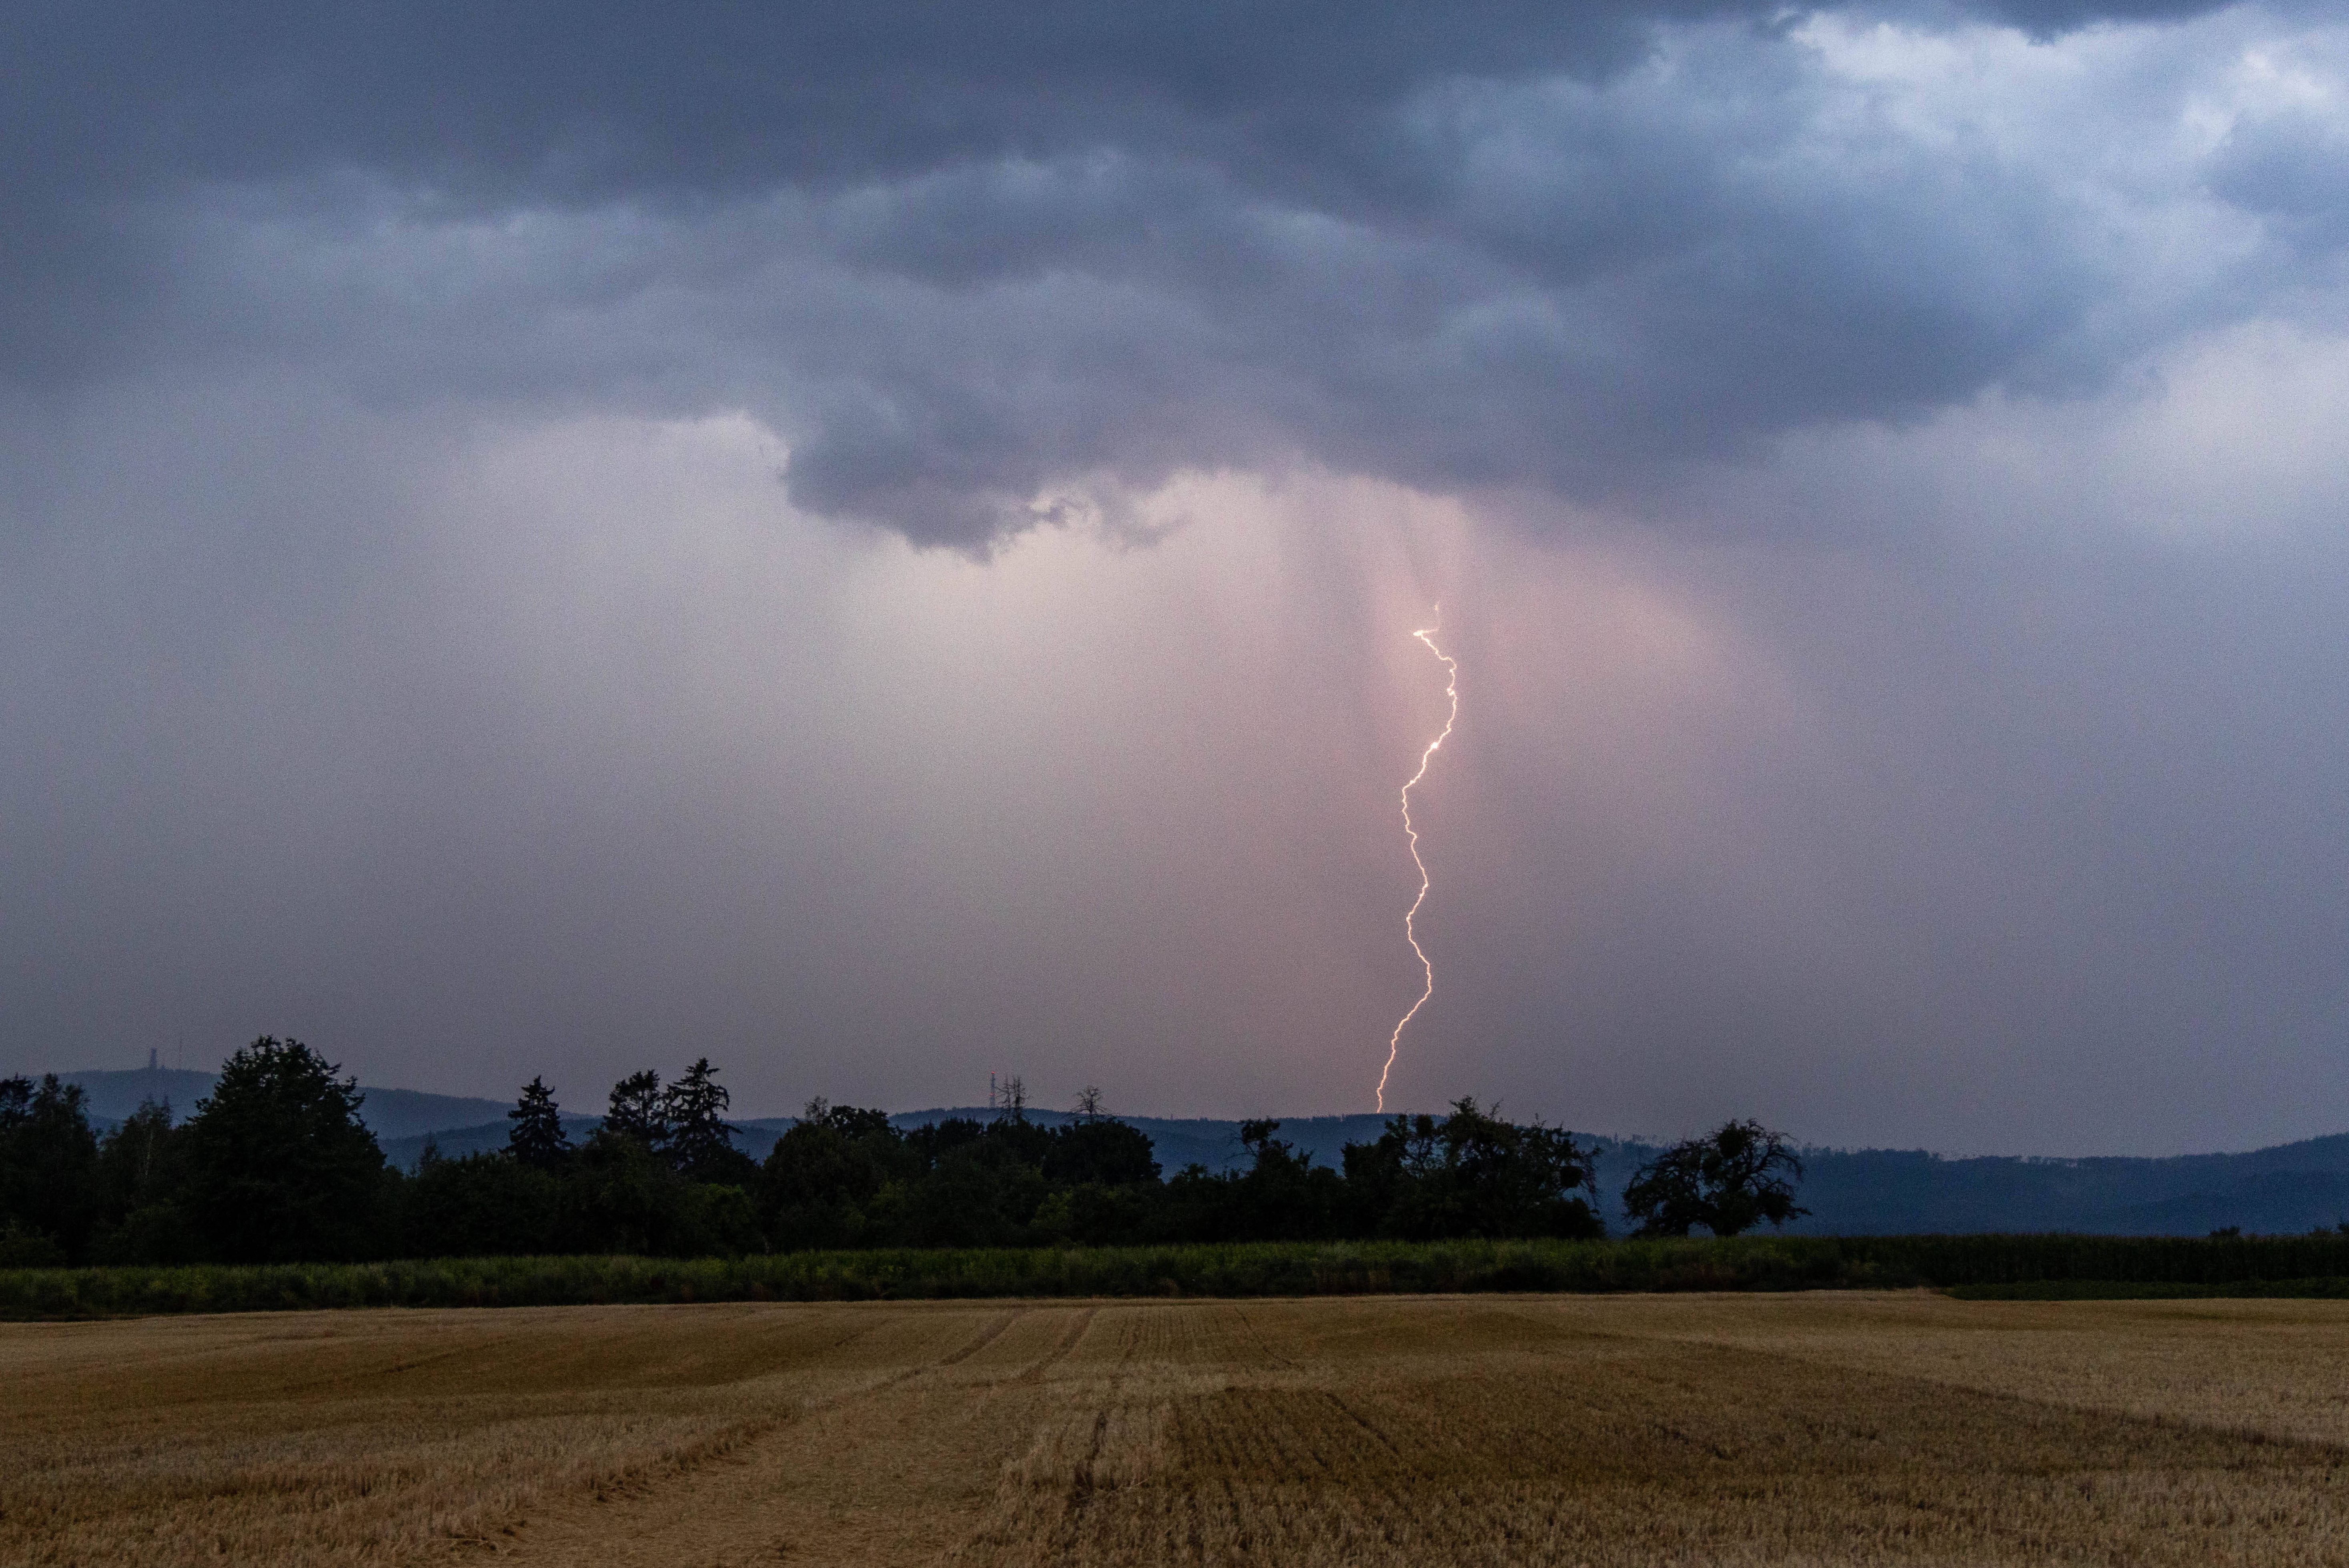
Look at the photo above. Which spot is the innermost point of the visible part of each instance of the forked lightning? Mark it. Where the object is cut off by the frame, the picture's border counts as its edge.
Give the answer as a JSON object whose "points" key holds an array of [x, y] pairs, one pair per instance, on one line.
{"points": [[1410, 929]]}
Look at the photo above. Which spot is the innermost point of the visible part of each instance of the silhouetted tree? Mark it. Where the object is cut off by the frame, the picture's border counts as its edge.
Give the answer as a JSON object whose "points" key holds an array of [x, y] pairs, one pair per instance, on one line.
{"points": [[1727, 1181], [820, 1181], [1099, 1149], [48, 1167], [1282, 1195], [637, 1111], [1471, 1174], [138, 1181], [482, 1204], [1008, 1098], [621, 1197], [1103, 1180], [699, 1144], [135, 1163], [978, 1184], [279, 1166], [850, 1121], [537, 1139]]}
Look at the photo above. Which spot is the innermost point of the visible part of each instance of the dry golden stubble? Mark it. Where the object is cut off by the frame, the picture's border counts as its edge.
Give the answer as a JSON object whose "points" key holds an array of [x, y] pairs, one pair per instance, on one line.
{"points": [[1832, 1428]]}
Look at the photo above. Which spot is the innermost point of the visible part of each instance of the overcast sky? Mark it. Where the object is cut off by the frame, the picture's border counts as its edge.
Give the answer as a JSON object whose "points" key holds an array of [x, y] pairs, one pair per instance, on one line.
{"points": [[878, 544]]}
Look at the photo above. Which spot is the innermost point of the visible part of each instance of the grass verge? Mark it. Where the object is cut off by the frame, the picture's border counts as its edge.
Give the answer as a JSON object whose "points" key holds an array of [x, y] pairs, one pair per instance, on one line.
{"points": [[1984, 1266]]}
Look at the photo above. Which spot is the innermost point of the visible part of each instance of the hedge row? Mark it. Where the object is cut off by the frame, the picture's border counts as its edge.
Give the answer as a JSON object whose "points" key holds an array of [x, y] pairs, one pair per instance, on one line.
{"points": [[1985, 1265]]}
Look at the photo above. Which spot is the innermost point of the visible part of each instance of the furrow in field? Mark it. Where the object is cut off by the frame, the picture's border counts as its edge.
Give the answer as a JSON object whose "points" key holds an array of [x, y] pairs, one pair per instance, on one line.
{"points": [[882, 1473]]}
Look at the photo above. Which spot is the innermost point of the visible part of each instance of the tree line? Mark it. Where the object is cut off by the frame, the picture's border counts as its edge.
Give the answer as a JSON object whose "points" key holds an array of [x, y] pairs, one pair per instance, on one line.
{"points": [[276, 1165]]}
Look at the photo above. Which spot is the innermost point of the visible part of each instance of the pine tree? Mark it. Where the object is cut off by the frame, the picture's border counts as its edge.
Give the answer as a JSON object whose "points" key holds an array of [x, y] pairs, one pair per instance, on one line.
{"points": [[701, 1144], [536, 1137], [637, 1110]]}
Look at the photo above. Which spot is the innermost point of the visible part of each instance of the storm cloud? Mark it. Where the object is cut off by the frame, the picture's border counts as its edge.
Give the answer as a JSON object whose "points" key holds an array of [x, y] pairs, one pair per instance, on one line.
{"points": [[880, 542], [963, 261]]}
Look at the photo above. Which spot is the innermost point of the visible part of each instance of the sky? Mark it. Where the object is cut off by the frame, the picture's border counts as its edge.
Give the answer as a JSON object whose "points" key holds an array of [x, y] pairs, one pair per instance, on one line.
{"points": [[880, 545]]}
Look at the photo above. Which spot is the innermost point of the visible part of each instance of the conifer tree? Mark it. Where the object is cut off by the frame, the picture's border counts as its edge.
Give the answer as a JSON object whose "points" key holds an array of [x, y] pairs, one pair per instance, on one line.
{"points": [[536, 1137], [637, 1110], [693, 1109]]}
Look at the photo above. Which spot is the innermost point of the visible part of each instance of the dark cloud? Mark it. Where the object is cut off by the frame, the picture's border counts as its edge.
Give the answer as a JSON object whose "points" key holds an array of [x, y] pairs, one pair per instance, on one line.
{"points": [[594, 101], [1881, 466], [957, 255], [2049, 18], [589, 101]]}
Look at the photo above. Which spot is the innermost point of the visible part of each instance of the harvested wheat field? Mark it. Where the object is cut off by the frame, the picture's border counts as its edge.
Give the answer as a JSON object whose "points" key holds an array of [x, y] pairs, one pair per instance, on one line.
{"points": [[1402, 1430]]}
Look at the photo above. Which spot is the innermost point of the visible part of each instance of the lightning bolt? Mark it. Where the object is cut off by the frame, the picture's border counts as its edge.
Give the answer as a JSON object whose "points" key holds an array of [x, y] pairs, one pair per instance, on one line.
{"points": [[1410, 929]]}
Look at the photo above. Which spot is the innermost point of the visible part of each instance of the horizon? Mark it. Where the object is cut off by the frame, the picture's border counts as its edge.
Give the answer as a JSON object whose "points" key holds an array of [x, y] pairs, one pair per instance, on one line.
{"points": [[977, 1110]]}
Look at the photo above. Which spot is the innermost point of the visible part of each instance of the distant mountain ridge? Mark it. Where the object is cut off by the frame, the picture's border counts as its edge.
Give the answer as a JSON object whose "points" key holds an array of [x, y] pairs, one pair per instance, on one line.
{"points": [[2289, 1188], [2293, 1186], [389, 1113], [1188, 1140]]}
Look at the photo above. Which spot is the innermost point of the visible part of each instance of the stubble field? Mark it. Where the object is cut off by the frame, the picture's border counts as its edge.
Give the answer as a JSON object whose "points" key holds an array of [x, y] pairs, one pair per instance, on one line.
{"points": [[1389, 1431]]}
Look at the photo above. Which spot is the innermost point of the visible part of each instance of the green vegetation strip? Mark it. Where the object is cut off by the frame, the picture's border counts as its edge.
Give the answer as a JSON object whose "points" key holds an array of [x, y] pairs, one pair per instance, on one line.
{"points": [[1976, 1265]]}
